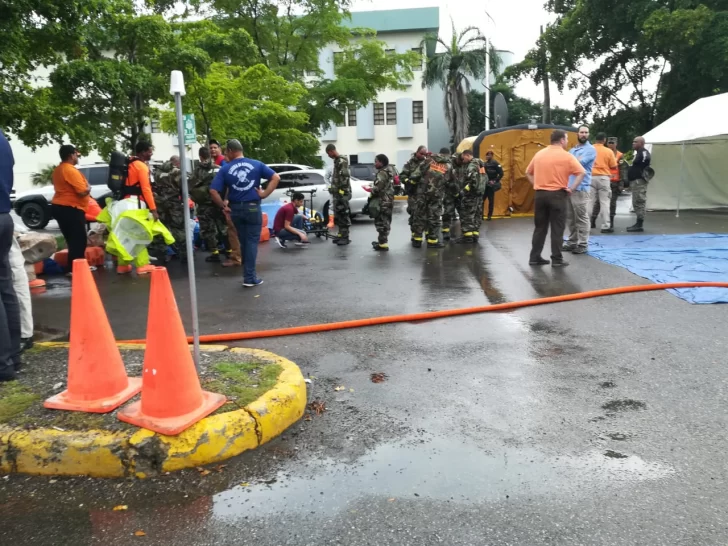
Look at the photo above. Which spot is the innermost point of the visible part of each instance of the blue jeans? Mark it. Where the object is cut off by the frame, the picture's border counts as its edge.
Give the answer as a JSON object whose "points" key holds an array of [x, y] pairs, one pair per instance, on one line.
{"points": [[285, 235], [248, 220]]}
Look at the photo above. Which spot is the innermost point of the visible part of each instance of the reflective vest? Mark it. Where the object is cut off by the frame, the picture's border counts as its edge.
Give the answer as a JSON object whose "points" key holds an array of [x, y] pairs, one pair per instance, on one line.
{"points": [[615, 171]]}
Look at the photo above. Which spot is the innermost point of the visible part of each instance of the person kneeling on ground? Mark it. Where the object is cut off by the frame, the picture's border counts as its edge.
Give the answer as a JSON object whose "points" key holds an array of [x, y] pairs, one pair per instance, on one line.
{"points": [[288, 223]]}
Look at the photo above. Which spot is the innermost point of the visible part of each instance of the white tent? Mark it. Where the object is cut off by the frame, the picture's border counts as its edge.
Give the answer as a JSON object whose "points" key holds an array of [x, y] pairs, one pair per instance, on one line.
{"points": [[690, 157]]}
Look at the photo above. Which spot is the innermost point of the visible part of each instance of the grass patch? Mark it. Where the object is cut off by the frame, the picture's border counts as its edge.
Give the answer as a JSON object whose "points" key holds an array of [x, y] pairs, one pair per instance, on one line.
{"points": [[242, 382], [14, 400]]}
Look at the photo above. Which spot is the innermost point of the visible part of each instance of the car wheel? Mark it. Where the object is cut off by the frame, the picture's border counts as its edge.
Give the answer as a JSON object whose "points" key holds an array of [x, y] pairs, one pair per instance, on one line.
{"points": [[34, 215]]}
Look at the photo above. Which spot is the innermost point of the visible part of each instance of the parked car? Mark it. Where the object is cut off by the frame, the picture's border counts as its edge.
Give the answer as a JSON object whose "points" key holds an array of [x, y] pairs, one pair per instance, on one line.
{"points": [[287, 167], [34, 205], [314, 179], [367, 171]]}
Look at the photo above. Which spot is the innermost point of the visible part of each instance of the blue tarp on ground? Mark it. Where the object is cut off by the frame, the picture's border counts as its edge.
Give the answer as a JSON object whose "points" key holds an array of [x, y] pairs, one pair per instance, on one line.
{"points": [[698, 257]]}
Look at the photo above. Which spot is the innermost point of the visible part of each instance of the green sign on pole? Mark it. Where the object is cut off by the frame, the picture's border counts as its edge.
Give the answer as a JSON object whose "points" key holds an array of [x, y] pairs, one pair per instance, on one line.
{"points": [[189, 125]]}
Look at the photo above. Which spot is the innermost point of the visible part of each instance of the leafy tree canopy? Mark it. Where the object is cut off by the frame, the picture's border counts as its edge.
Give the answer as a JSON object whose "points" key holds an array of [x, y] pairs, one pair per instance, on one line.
{"points": [[641, 58]]}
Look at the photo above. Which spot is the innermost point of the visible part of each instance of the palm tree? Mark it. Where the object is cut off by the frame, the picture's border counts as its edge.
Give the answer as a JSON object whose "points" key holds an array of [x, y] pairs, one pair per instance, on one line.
{"points": [[44, 177], [463, 58]]}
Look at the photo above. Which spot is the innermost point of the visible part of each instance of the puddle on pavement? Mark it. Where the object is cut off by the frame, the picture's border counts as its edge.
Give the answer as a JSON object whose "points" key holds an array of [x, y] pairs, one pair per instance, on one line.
{"points": [[440, 470]]}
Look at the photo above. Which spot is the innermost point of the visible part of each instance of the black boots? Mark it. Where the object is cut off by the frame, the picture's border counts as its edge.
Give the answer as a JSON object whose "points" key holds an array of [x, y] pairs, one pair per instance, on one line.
{"points": [[636, 228], [610, 229]]}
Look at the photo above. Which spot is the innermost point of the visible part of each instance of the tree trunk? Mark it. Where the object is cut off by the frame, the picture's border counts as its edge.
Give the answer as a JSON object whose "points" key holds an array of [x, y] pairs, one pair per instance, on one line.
{"points": [[546, 91]]}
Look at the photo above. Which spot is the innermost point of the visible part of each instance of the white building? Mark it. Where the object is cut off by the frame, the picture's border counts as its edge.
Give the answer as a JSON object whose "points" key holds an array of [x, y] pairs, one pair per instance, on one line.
{"points": [[396, 123]]}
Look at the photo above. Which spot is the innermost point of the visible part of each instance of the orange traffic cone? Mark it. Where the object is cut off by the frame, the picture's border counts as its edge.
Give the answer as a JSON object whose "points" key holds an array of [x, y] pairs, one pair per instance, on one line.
{"points": [[172, 399], [97, 380]]}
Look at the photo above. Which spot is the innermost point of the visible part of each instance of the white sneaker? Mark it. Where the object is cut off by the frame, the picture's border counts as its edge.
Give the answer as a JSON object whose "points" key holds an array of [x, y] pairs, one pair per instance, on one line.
{"points": [[302, 243], [281, 243], [606, 226]]}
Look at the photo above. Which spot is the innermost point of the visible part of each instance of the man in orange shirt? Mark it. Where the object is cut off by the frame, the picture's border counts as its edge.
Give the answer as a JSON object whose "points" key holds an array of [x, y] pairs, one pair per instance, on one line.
{"points": [[549, 173], [68, 205], [601, 174], [138, 183]]}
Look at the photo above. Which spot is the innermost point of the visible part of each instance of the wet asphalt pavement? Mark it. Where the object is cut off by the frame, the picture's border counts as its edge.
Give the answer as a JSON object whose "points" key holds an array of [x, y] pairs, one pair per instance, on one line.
{"points": [[600, 421]]}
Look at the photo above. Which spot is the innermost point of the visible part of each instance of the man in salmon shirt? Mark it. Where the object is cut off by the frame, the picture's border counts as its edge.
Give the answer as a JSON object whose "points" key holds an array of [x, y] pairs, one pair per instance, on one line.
{"points": [[601, 186], [68, 205]]}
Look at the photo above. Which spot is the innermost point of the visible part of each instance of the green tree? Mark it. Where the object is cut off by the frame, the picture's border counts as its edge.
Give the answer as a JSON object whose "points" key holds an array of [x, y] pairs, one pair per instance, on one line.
{"points": [[641, 58], [33, 34], [255, 106], [108, 96], [289, 35], [362, 70], [44, 177], [520, 110], [462, 59]]}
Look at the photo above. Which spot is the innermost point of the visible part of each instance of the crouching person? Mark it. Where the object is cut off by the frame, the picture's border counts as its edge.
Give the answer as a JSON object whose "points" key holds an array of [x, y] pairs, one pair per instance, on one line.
{"points": [[288, 223], [382, 201]]}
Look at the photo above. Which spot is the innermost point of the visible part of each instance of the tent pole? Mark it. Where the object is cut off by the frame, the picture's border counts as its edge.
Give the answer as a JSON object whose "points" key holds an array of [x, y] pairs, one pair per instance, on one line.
{"points": [[679, 187]]}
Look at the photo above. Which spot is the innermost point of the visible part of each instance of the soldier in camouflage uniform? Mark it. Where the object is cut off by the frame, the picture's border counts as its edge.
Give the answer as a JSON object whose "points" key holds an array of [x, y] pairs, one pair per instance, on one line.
{"points": [[410, 175], [168, 197], [340, 191], [458, 175], [213, 227], [383, 190], [473, 186], [449, 202], [437, 175]]}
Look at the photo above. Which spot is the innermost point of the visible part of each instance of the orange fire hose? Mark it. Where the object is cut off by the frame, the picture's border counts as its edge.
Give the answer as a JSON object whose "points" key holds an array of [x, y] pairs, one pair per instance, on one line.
{"points": [[430, 315]]}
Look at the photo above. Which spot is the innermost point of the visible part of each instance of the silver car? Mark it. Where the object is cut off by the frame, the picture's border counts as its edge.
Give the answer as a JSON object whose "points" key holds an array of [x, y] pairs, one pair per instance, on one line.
{"points": [[314, 179]]}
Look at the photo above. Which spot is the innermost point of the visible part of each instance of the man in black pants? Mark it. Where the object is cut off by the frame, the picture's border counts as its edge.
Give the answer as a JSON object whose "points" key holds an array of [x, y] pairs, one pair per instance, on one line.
{"points": [[69, 203], [549, 173], [9, 308], [495, 172]]}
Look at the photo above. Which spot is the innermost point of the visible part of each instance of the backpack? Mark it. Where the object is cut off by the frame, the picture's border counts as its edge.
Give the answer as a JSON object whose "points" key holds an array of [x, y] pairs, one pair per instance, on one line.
{"points": [[118, 173]]}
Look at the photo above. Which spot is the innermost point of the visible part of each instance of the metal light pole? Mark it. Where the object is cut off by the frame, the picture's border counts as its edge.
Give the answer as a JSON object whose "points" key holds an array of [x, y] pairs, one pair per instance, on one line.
{"points": [[177, 88], [487, 83], [488, 20]]}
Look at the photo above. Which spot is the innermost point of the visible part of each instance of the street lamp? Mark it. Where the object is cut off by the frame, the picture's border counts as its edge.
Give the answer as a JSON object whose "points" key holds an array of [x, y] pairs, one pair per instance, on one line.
{"points": [[487, 70], [177, 88]]}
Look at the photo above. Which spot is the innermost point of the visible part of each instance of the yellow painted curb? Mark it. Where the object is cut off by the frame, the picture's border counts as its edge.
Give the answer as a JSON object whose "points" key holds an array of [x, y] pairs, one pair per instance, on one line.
{"points": [[400, 198], [145, 453]]}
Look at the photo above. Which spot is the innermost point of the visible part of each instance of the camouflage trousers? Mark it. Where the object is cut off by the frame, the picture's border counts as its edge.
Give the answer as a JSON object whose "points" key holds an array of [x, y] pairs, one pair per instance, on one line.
{"points": [[213, 227], [639, 197], [342, 214], [172, 216], [429, 217], [418, 215], [471, 215], [383, 222], [448, 213]]}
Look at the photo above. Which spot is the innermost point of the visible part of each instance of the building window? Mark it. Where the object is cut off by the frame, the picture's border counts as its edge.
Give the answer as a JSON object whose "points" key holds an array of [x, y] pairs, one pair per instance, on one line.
{"points": [[352, 117], [378, 113], [353, 159], [391, 113], [418, 66], [418, 112], [155, 126], [342, 111], [389, 51]]}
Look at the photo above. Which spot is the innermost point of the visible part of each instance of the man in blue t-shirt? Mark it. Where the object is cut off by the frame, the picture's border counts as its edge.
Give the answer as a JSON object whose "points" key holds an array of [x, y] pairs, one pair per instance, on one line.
{"points": [[241, 176]]}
